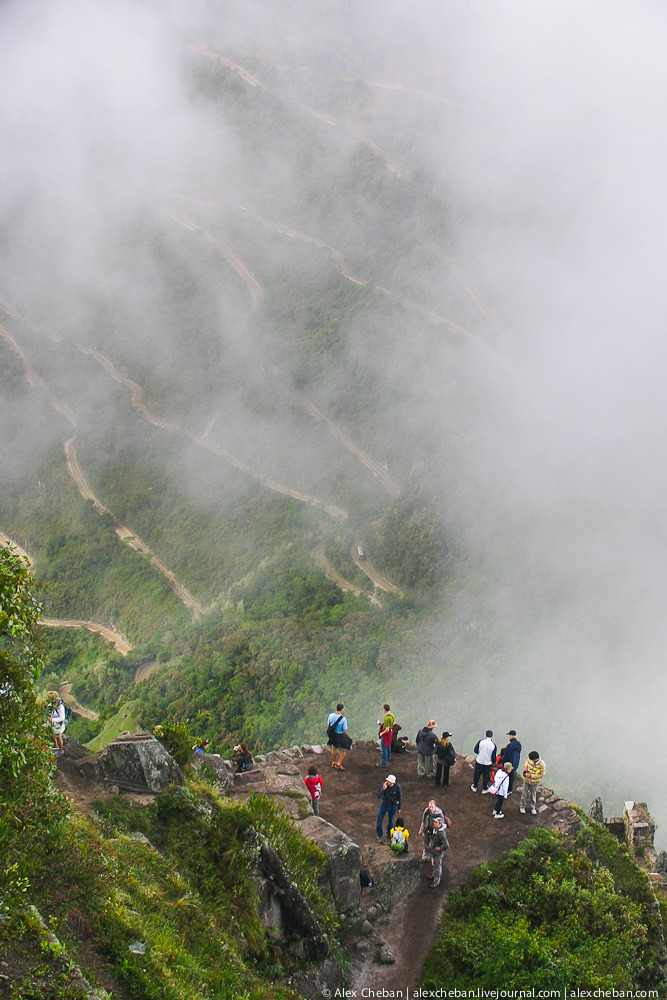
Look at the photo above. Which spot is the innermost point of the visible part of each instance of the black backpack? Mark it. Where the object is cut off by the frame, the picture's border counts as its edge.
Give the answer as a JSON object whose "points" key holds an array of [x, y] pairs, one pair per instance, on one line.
{"points": [[331, 730]]}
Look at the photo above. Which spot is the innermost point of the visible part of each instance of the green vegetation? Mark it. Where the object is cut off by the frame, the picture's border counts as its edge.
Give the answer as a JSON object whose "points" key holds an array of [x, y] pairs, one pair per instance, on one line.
{"points": [[551, 915], [173, 921]]}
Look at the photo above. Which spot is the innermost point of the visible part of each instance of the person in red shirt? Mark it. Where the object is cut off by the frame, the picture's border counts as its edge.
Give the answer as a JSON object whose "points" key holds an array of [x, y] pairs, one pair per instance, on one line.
{"points": [[314, 783]]}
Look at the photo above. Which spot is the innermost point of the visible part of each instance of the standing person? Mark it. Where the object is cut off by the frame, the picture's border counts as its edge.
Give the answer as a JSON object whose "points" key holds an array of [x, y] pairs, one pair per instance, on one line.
{"points": [[534, 771], [338, 739], [426, 741], [439, 844], [391, 794], [500, 788], [445, 756], [512, 755], [314, 784], [426, 829], [57, 720], [486, 751], [386, 734]]}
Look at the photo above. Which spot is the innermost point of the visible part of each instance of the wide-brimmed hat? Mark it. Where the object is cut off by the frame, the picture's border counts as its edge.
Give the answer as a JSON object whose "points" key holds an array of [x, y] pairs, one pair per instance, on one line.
{"points": [[391, 778], [430, 724]]}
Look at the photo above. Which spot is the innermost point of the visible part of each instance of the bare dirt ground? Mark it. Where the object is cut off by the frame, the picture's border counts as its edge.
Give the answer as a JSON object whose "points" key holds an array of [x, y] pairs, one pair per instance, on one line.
{"points": [[349, 801]]}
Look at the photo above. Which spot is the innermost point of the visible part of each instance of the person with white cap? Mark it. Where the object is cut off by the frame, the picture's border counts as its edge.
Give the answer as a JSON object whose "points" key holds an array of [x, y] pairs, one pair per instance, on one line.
{"points": [[391, 795], [426, 741]]}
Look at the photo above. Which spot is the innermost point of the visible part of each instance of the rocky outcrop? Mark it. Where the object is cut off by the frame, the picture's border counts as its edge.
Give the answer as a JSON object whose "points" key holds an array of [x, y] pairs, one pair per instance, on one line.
{"points": [[395, 875], [220, 769], [133, 763], [343, 858], [282, 905]]}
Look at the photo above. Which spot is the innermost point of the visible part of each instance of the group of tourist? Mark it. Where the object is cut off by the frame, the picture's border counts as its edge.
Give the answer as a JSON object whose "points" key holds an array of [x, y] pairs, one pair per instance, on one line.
{"points": [[496, 769]]}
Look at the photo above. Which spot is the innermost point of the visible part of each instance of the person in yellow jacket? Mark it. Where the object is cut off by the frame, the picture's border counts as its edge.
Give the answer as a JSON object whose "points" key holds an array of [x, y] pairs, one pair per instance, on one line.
{"points": [[534, 771], [398, 836]]}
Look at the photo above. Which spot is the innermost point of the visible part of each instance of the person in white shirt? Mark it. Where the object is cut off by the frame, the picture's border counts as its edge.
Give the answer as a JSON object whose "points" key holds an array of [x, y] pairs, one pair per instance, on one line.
{"points": [[500, 788], [486, 751], [57, 720]]}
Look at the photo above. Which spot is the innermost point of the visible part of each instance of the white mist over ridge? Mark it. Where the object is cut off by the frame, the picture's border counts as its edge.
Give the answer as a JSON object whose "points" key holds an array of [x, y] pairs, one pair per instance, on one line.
{"points": [[541, 128]]}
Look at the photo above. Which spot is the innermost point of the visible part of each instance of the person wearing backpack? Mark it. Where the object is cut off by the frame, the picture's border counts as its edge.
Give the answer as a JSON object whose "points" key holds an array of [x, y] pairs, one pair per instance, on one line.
{"points": [[314, 784], [58, 720], [500, 788], [337, 737], [399, 836], [426, 741], [445, 756], [439, 844], [427, 827]]}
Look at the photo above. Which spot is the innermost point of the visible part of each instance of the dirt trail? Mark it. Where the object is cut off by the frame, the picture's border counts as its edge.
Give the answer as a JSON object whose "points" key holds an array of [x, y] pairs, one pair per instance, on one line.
{"points": [[110, 634], [380, 581], [349, 801], [124, 533], [345, 585], [237, 265]]}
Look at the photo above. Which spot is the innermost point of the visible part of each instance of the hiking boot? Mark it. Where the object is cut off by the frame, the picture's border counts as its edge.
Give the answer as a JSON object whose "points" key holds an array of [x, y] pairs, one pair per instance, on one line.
{"points": [[499, 815], [522, 809]]}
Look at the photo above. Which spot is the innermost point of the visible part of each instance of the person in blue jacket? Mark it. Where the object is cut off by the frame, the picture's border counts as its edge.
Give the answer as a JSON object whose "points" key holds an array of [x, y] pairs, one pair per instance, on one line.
{"points": [[391, 795], [512, 755]]}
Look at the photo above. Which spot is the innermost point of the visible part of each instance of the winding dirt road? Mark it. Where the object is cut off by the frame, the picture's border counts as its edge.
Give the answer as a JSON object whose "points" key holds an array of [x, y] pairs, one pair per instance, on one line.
{"points": [[203, 49], [345, 585], [237, 265], [110, 634], [123, 532], [136, 392], [380, 581], [433, 317], [126, 534]]}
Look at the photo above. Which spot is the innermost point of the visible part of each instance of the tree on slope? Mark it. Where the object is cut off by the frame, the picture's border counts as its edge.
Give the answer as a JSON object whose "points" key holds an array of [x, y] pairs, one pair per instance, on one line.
{"points": [[30, 807]]}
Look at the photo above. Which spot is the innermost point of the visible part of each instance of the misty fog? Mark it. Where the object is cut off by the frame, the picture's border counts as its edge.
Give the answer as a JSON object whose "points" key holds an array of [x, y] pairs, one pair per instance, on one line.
{"points": [[516, 345]]}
